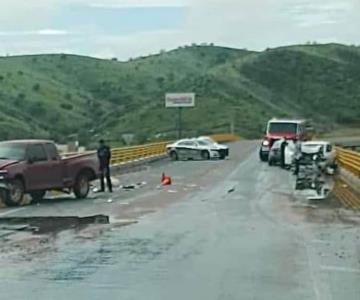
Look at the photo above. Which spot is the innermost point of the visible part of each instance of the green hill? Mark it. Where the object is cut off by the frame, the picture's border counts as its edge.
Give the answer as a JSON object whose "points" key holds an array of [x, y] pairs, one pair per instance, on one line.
{"points": [[64, 96]]}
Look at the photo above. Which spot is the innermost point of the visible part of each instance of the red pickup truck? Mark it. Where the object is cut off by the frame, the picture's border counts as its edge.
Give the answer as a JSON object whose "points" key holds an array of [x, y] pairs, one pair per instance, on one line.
{"points": [[35, 166]]}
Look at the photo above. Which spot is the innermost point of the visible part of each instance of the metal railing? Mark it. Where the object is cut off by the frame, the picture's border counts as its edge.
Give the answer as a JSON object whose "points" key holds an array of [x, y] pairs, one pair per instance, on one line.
{"points": [[225, 137], [127, 154], [346, 195], [349, 160], [134, 153]]}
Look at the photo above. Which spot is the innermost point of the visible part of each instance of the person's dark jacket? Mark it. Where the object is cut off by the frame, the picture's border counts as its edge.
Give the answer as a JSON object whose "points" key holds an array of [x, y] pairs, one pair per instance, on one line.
{"points": [[104, 155]]}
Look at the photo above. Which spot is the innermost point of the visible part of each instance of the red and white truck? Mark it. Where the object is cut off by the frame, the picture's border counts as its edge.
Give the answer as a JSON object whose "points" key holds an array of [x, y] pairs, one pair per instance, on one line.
{"points": [[35, 166], [277, 129]]}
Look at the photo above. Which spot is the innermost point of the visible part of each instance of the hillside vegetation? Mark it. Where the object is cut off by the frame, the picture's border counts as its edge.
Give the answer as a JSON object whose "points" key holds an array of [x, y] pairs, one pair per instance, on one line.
{"points": [[65, 97]]}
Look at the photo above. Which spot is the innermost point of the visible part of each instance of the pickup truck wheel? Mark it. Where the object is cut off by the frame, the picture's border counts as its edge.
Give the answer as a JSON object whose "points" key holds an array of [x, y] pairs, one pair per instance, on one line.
{"points": [[263, 157], [82, 186], [15, 194], [37, 195]]}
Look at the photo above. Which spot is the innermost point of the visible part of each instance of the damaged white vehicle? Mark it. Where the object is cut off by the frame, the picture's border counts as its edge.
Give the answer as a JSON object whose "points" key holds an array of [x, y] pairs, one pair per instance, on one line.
{"points": [[327, 160], [223, 148]]}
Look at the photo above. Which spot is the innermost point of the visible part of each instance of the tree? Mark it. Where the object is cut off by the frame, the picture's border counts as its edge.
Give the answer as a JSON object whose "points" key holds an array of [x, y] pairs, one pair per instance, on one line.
{"points": [[66, 106], [160, 81], [171, 77], [37, 109], [68, 96], [36, 87]]}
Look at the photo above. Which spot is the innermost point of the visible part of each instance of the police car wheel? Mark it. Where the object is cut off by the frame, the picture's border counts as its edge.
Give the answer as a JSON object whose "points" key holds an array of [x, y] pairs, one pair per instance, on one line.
{"points": [[205, 155]]}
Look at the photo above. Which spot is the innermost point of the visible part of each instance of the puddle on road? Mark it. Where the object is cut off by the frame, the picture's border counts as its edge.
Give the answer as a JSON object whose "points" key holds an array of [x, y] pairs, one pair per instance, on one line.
{"points": [[44, 225]]}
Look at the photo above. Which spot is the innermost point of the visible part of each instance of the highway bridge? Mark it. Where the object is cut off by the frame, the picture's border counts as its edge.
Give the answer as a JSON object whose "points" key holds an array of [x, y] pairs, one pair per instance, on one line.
{"points": [[232, 229]]}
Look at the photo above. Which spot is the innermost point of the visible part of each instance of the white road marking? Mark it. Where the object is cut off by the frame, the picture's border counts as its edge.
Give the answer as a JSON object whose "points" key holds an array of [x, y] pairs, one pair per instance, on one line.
{"points": [[320, 241], [11, 211], [312, 273], [340, 269]]}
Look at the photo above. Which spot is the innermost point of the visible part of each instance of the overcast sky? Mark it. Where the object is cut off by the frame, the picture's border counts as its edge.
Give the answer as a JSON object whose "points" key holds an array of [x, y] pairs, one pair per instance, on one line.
{"points": [[130, 28]]}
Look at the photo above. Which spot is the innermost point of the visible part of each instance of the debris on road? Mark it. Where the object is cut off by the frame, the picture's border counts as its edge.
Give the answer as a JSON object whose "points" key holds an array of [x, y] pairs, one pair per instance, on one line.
{"points": [[231, 190], [129, 187], [133, 186], [172, 191], [191, 185]]}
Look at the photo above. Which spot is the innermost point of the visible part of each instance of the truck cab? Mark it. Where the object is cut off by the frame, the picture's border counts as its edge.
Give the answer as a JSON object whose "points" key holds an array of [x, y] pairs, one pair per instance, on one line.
{"points": [[277, 129]]}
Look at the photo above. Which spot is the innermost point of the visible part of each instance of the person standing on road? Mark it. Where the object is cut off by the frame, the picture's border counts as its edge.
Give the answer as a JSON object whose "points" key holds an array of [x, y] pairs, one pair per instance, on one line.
{"points": [[297, 157], [282, 153], [104, 156]]}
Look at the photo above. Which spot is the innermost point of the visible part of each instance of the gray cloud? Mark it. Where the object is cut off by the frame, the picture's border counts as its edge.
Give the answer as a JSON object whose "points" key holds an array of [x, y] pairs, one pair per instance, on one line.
{"points": [[254, 24]]}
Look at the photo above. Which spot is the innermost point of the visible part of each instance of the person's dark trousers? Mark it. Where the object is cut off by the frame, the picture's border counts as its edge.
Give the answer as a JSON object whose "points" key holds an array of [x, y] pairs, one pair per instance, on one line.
{"points": [[282, 155], [105, 173], [297, 167], [282, 162]]}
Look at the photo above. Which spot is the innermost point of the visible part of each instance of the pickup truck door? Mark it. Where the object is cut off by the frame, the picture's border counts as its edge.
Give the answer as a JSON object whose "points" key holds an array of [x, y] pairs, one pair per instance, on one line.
{"points": [[55, 167], [37, 170]]}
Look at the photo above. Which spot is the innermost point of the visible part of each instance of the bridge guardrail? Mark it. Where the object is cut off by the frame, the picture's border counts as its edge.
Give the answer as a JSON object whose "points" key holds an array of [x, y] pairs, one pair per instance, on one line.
{"points": [[225, 137], [133, 153], [349, 160], [127, 154]]}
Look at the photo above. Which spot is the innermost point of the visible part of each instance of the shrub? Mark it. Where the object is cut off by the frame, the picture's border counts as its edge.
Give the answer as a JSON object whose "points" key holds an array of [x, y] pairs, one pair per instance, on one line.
{"points": [[37, 109], [36, 87], [68, 96], [66, 106]]}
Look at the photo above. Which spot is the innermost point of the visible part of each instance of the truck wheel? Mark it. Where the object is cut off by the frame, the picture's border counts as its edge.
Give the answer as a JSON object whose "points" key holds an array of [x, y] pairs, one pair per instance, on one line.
{"points": [[82, 186], [174, 156], [263, 157], [37, 196], [14, 196], [205, 155]]}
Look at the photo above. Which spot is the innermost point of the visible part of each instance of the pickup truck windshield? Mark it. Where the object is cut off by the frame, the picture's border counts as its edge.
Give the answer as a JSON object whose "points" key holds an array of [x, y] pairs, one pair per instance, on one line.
{"points": [[282, 127], [12, 151]]}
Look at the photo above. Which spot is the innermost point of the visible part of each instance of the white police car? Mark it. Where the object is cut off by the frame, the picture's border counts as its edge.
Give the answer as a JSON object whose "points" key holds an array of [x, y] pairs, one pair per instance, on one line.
{"points": [[195, 149]]}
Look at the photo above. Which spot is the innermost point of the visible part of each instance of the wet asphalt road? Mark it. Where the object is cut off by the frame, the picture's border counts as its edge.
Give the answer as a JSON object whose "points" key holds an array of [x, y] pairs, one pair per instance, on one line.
{"points": [[224, 230]]}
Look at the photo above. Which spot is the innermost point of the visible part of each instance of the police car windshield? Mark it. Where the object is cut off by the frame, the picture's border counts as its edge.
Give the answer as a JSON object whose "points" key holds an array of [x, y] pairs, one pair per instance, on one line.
{"points": [[204, 143]]}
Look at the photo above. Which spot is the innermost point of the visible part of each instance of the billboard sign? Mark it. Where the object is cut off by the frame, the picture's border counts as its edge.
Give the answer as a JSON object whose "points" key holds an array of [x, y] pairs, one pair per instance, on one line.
{"points": [[180, 100]]}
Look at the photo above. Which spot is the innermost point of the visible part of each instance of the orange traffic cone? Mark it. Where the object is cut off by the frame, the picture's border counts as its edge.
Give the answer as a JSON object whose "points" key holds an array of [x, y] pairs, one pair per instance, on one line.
{"points": [[165, 180]]}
